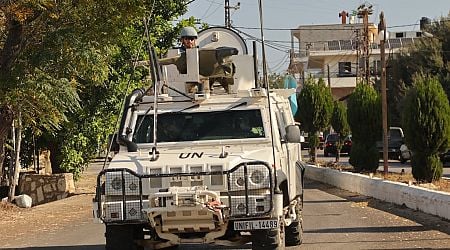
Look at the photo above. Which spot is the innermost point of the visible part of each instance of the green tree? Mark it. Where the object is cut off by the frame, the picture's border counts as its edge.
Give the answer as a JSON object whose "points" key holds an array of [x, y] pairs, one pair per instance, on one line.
{"points": [[364, 118], [315, 105], [340, 125], [276, 81], [428, 55], [426, 123], [65, 66]]}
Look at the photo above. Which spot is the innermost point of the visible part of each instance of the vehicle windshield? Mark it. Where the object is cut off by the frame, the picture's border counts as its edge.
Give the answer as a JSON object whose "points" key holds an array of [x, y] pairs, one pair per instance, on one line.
{"points": [[217, 125], [332, 137], [395, 134]]}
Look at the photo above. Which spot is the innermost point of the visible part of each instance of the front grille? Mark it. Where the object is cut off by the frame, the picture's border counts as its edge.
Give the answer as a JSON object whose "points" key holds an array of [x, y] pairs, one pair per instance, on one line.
{"points": [[248, 187]]}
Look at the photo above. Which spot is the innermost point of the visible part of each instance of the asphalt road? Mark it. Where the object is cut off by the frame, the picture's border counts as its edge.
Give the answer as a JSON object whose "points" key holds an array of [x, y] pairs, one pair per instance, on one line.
{"points": [[333, 219], [394, 166]]}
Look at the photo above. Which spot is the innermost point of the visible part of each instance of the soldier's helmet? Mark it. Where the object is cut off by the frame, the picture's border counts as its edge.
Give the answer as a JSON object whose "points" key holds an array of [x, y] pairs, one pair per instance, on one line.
{"points": [[188, 32]]}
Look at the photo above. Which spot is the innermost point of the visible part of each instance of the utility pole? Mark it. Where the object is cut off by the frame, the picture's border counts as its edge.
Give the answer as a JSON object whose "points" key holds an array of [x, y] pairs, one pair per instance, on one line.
{"points": [[382, 27], [227, 12], [358, 47], [364, 12], [328, 76]]}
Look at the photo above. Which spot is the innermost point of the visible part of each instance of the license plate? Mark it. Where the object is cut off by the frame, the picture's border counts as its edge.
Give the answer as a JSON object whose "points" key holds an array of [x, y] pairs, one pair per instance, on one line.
{"points": [[255, 224]]}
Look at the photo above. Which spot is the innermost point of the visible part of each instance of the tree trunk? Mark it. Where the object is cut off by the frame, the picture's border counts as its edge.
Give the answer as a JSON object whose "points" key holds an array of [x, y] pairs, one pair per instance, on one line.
{"points": [[6, 120], [15, 177], [13, 44], [338, 148]]}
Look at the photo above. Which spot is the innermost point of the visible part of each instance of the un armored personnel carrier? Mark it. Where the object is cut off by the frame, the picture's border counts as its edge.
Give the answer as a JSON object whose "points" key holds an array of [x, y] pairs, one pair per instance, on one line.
{"points": [[206, 157]]}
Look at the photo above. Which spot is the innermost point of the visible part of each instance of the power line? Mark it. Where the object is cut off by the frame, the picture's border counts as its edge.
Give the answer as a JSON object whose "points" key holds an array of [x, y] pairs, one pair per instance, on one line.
{"points": [[326, 29]]}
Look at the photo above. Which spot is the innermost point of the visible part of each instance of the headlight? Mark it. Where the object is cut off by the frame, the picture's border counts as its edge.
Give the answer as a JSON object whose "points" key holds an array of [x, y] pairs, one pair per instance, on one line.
{"points": [[116, 183], [117, 180], [254, 177], [240, 181], [257, 177]]}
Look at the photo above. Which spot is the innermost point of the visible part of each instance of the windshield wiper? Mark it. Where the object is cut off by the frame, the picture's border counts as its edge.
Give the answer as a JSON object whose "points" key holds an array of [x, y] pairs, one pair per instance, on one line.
{"points": [[190, 107], [142, 120], [236, 106]]}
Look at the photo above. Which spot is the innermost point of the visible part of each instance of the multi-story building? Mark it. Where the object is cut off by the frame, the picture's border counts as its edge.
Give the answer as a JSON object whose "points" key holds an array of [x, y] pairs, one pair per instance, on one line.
{"points": [[335, 52]]}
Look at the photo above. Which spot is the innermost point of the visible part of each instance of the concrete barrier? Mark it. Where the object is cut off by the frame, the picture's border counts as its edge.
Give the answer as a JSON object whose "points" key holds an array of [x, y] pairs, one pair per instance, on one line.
{"points": [[418, 198]]}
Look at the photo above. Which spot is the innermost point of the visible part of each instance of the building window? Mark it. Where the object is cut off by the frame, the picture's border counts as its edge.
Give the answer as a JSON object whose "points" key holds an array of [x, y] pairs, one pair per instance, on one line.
{"points": [[375, 69], [399, 35], [345, 69]]}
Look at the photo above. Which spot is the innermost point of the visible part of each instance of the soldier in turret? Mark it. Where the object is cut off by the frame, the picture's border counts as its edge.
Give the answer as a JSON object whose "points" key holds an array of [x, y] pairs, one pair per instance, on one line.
{"points": [[188, 38]]}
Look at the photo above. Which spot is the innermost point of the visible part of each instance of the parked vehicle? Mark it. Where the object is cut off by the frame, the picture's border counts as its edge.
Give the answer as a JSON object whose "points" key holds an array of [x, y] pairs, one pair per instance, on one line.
{"points": [[347, 145], [321, 140], [405, 153], [330, 145], [395, 141], [305, 143], [445, 157]]}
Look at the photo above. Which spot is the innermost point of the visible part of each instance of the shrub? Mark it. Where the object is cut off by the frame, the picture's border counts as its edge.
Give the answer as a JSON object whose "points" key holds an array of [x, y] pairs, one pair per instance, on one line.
{"points": [[364, 118], [340, 124], [315, 105], [426, 124]]}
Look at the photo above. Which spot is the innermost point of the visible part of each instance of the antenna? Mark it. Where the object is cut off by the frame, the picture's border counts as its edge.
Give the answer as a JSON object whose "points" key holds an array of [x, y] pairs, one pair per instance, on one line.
{"points": [[156, 78], [266, 85]]}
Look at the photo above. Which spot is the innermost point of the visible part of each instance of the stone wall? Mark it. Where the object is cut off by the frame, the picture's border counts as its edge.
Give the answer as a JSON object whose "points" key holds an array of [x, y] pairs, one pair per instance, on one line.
{"points": [[46, 188]]}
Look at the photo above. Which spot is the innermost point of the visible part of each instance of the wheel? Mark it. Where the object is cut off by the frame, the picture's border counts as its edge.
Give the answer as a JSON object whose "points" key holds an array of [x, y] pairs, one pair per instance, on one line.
{"points": [[403, 160], [270, 239], [123, 237], [294, 232]]}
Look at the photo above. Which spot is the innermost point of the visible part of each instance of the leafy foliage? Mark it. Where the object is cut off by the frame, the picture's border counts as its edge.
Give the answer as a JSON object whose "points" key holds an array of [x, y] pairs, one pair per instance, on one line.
{"points": [[340, 124], [426, 113], [66, 65], [315, 106], [428, 55], [364, 118]]}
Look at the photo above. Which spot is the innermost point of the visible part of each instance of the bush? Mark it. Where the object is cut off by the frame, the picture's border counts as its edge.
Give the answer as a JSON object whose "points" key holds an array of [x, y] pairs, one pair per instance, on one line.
{"points": [[315, 104], [426, 124], [364, 157], [364, 118], [340, 124]]}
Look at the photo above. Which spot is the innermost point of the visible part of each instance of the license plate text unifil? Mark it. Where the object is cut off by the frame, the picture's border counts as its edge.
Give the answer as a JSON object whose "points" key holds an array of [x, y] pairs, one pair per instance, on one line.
{"points": [[255, 224]]}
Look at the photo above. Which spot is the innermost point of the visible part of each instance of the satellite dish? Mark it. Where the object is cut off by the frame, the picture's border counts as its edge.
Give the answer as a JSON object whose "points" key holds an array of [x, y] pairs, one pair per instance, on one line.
{"points": [[216, 37]]}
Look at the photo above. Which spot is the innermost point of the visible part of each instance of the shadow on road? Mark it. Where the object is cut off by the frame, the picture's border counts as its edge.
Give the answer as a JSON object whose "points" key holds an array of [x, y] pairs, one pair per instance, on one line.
{"points": [[91, 247], [427, 222]]}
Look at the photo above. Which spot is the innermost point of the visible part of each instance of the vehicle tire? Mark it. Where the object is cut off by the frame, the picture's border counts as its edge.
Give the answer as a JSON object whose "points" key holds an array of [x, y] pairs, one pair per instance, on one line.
{"points": [[123, 237], [403, 160], [270, 239], [294, 232]]}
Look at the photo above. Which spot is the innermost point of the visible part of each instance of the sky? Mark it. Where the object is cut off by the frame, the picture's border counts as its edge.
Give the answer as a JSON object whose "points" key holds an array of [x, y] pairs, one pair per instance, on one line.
{"points": [[281, 15]]}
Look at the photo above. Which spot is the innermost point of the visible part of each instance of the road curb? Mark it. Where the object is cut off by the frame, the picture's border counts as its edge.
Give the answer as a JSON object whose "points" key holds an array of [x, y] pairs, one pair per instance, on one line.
{"points": [[418, 198]]}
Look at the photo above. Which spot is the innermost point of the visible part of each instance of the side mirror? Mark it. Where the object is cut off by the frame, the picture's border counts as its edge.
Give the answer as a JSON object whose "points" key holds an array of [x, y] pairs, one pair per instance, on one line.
{"points": [[293, 134]]}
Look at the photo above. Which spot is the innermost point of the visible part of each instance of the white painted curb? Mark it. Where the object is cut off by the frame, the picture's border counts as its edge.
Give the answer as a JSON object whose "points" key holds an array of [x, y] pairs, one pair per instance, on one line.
{"points": [[418, 198]]}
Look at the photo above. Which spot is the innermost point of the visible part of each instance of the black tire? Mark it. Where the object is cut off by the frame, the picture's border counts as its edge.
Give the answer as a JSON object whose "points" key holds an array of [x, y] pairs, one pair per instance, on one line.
{"points": [[270, 239], [123, 237], [294, 232], [403, 160]]}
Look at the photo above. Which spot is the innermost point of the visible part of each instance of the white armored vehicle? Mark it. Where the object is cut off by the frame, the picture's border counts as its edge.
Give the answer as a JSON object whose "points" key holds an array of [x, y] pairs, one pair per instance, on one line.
{"points": [[206, 157]]}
